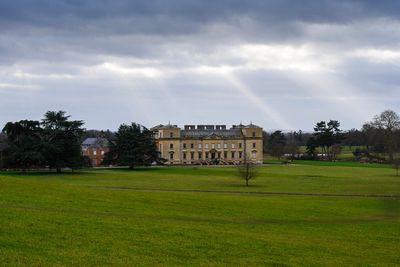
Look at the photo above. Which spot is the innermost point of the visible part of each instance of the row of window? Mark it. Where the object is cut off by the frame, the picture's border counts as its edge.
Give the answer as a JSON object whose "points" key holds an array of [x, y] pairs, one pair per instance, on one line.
{"points": [[95, 152], [207, 155], [200, 146]]}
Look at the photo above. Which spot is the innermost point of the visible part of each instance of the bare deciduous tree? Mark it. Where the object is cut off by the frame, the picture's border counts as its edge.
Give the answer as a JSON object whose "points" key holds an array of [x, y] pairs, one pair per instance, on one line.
{"points": [[247, 171], [388, 120], [382, 132]]}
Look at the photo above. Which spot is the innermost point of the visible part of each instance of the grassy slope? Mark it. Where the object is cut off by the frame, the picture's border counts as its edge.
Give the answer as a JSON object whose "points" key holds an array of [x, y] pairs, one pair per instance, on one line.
{"points": [[67, 220]]}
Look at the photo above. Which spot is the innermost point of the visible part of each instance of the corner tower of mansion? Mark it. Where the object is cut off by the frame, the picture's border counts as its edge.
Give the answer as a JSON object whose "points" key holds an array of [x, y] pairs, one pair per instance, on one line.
{"points": [[209, 144]]}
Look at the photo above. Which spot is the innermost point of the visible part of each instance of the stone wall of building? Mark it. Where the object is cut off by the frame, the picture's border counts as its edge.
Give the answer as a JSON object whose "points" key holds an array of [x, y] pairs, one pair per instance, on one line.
{"points": [[209, 144]]}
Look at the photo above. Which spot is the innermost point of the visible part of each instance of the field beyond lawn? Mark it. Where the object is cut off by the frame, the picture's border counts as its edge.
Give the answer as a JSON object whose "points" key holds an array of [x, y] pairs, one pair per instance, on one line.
{"points": [[298, 214]]}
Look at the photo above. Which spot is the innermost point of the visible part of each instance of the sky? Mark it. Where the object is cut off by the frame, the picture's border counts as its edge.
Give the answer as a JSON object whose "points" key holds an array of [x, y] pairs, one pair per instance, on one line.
{"points": [[280, 64]]}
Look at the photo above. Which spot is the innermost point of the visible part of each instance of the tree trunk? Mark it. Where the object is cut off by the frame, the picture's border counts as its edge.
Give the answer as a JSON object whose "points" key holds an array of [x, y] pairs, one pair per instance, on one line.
{"points": [[391, 156], [247, 182]]}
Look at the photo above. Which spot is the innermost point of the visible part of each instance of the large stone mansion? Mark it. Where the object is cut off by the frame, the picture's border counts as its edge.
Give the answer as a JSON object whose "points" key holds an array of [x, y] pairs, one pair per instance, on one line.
{"points": [[209, 144]]}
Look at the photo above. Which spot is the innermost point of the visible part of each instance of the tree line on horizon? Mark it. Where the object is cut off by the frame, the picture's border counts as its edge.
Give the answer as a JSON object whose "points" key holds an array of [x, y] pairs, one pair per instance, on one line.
{"points": [[377, 140], [55, 143]]}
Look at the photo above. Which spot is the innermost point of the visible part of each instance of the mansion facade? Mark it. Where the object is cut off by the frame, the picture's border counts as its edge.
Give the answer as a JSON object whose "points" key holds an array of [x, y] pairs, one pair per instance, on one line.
{"points": [[94, 149], [209, 144]]}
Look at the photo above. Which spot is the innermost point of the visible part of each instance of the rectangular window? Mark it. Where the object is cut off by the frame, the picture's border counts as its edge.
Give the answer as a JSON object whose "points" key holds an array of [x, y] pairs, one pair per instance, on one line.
{"points": [[171, 146], [199, 146], [206, 145], [219, 155], [240, 145], [212, 146], [233, 154], [254, 154], [254, 134], [94, 152], [191, 146], [171, 135], [225, 155], [225, 145], [171, 156], [240, 154], [184, 155], [206, 155], [254, 145], [233, 146], [218, 146], [184, 146], [102, 152], [191, 155], [200, 155]]}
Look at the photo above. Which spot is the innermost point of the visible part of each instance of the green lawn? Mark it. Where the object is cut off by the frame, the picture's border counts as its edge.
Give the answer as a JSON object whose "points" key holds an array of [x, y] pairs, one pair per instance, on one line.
{"points": [[94, 218]]}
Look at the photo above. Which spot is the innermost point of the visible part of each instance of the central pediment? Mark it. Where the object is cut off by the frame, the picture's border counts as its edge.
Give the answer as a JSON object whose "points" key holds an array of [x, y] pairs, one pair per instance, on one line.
{"points": [[213, 136]]}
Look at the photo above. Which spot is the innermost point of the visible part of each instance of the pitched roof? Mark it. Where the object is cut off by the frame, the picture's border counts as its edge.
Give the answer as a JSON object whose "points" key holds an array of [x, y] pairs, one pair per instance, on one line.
{"points": [[96, 142], [89, 141], [251, 125], [156, 127]]}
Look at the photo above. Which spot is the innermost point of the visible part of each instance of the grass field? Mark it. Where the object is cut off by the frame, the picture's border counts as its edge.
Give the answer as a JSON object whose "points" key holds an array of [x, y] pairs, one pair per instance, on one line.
{"points": [[121, 217]]}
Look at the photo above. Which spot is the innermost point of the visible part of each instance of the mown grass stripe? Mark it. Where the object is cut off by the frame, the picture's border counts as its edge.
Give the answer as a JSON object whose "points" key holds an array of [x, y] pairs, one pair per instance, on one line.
{"points": [[245, 192]]}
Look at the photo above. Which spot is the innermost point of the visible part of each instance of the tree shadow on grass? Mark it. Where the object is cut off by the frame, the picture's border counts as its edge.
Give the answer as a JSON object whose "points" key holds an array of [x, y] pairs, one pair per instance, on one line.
{"points": [[136, 169], [243, 185]]}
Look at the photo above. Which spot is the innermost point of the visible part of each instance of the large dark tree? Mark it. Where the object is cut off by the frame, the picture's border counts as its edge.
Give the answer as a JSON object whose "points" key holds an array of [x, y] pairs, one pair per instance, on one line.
{"points": [[312, 146], [326, 135], [3, 148], [62, 140], [24, 148], [134, 146], [276, 144]]}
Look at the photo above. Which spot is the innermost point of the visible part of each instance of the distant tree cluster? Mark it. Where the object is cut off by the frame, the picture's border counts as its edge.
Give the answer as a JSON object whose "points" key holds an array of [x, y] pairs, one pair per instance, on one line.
{"points": [[383, 134], [53, 142], [377, 141], [278, 143]]}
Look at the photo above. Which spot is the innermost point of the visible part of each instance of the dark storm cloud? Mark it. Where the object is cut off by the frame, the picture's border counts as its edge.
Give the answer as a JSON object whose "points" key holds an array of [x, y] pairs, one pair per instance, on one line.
{"points": [[177, 16], [213, 56], [44, 29]]}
